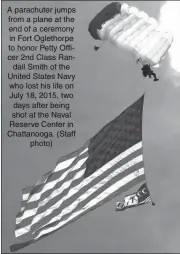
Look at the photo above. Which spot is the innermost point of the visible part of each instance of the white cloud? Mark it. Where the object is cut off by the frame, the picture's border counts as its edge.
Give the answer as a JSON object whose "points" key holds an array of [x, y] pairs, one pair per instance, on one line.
{"points": [[169, 18]]}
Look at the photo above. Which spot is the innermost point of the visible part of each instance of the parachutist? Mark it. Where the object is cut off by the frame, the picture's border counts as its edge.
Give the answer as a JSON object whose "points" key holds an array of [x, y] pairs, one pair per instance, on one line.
{"points": [[123, 26], [146, 71]]}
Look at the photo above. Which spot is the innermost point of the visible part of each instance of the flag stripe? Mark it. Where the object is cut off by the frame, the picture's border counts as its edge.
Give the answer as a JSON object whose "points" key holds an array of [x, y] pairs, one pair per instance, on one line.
{"points": [[116, 186], [91, 192], [74, 154], [109, 165], [30, 213], [63, 192], [41, 182], [18, 246], [67, 174], [47, 194], [55, 195], [78, 190], [63, 185], [53, 178], [64, 201], [64, 165], [59, 173], [50, 185]]}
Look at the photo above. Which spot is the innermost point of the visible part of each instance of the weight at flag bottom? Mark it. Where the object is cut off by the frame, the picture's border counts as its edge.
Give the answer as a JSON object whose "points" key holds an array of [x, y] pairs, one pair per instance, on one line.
{"points": [[107, 165]]}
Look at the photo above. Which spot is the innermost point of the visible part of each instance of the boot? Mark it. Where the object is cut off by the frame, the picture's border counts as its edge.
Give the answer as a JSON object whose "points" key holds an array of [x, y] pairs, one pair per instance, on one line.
{"points": [[96, 48], [156, 79]]}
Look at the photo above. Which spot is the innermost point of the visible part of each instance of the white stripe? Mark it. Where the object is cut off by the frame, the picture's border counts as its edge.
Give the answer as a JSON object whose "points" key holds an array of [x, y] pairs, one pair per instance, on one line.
{"points": [[96, 200], [96, 174], [50, 185], [59, 167], [64, 164], [38, 217], [81, 198], [25, 197], [86, 182], [91, 190]]}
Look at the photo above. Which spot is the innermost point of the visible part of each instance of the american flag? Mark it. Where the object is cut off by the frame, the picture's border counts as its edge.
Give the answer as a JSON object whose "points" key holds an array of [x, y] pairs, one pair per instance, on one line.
{"points": [[107, 165]]}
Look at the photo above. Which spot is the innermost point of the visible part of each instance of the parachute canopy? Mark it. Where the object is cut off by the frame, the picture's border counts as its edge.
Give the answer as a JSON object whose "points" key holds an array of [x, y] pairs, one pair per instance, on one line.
{"points": [[133, 30]]}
